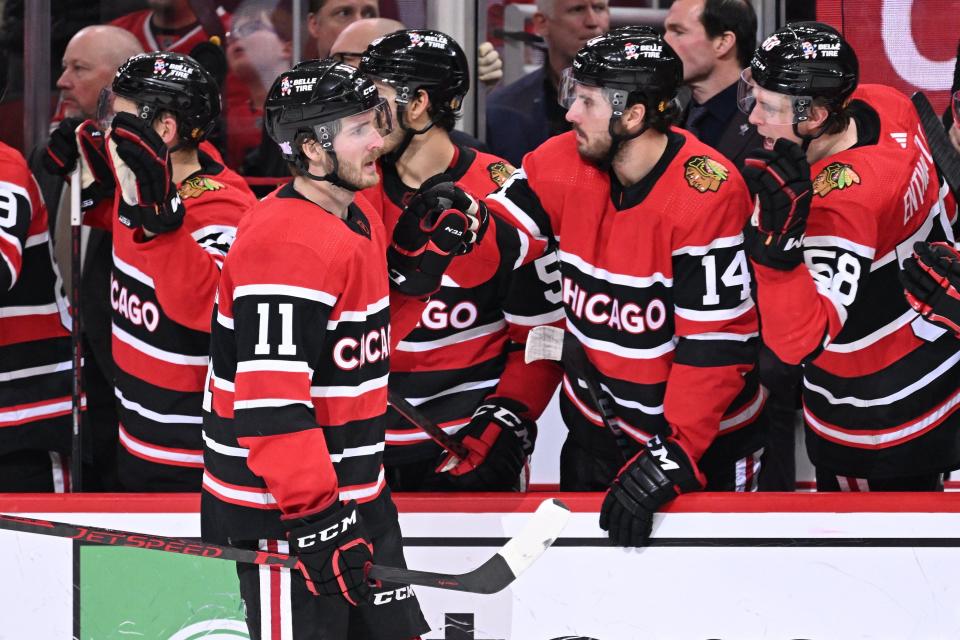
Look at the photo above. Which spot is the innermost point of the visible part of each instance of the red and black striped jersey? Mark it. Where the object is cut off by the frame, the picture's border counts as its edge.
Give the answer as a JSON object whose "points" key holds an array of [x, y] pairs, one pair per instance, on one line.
{"points": [[880, 383], [300, 356], [655, 285], [162, 292], [139, 24], [35, 356], [469, 342]]}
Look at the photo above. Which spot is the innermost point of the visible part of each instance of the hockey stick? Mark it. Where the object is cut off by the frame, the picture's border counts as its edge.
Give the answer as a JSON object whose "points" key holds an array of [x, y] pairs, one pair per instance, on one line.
{"points": [[553, 343], [492, 576], [76, 345], [944, 155], [428, 426]]}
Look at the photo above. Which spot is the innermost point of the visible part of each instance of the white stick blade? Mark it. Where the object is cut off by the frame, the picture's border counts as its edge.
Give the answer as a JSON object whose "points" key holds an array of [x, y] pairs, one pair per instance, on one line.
{"points": [[537, 535], [544, 343]]}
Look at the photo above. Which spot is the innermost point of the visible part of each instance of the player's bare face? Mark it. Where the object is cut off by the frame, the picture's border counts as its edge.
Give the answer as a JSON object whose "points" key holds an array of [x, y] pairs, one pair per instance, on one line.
{"points": [[590, 116], [773, 116], [358, 145]]}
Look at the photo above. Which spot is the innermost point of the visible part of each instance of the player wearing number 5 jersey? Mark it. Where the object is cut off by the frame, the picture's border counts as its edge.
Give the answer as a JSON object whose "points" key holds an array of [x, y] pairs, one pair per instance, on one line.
{"points": [[655, 285], [845, 187]]}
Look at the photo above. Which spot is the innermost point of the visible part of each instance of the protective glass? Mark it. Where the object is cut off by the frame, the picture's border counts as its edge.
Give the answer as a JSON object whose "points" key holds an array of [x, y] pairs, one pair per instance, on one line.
{"points": [[775, 108], [955, 102], [572, 89], [105, 110], [357, 126]]}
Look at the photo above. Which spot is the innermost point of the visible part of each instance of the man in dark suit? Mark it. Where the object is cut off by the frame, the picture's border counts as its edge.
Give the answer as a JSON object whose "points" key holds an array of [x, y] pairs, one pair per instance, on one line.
{"points": [[89, 64], [715, 39]]}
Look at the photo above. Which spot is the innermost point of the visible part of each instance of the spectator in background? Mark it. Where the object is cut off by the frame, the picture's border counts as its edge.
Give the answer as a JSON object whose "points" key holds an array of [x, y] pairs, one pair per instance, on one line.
{"points": [[259, 48], [715, 39], [523, 114], [166, 25], [327, 18], [90, 62]]}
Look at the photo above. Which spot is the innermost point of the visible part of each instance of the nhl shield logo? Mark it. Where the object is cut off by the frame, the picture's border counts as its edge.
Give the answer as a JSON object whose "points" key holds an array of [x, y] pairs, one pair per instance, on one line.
{"points": [[159, 66], [630, 51], [704, 173], [285, 87], [416, 40]]}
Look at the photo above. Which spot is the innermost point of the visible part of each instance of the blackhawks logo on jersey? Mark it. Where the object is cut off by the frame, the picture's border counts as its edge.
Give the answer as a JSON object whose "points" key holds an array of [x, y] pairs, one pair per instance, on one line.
{"points": [[499, 172], [835, 175], [704, 173], [194, 187]]}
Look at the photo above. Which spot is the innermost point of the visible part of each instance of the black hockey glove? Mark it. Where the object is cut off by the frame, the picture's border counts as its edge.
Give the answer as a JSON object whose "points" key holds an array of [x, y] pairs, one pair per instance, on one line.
{"points": [[779, 181], [334, 552], [144, 172], [655, 476], [499, 438], [441, 222], [931, 282], [73, 140]]}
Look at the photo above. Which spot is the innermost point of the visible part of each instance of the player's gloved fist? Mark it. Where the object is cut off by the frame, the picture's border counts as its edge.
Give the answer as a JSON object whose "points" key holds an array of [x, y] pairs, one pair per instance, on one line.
{"points": [[499, 439], [779, 181], [334, 552], [931, 282], [144, 172], [74, 140], [440, 222], [655, 476], [489, 64]]}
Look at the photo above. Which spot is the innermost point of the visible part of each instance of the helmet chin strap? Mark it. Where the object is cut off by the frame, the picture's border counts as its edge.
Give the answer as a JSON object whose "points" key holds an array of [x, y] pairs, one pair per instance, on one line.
{"points": [[617, 140], [333, 177], [408, 133]]}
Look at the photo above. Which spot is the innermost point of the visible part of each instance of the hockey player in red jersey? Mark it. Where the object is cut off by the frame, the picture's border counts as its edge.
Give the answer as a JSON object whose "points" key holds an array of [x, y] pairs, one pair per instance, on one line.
{"points": [[463, 366], [304, 327], [173, 219], [35, 364], [655, 286], [844, 188]]}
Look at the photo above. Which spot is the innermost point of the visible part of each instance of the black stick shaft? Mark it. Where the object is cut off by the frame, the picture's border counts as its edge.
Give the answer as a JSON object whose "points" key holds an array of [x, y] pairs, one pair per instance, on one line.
{"points": [[426, 425]]}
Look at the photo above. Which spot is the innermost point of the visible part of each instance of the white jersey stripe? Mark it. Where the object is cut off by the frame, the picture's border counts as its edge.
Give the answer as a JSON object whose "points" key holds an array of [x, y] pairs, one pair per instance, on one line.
{"points": [[720, 243], [29, 372], [32, 310], [836, 242], [466, 386], [16, 415], [284, 290], [747, 413], [535, 321], [358, 452], [223, 449], [349, 391], [638, 282], [262, 403], [360, 316], [871, 338], [281, 366], [132, 271], [623, 352], [37, 239], [417, 435], [365, 492], [722, 335], [164, 418], [251, 496], [715, 315], [156, 452], [463, 336], [159, 354]]}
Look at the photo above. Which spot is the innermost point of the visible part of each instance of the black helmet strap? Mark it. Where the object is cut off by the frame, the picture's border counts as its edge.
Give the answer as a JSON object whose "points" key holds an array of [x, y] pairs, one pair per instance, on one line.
{"points": [[403, 93], [334, 176]]}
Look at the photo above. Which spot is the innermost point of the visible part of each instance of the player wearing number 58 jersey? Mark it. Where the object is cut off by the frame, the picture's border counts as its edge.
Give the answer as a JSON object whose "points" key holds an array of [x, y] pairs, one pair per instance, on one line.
{"points": [[35, 365], [655, 284], [844, 189]]}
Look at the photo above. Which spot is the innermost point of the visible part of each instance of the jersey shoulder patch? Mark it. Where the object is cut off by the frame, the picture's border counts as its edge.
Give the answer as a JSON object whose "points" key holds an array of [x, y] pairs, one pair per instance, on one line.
{"points": [[196, 186], [500, 171], [703, 173], [835, 176]]}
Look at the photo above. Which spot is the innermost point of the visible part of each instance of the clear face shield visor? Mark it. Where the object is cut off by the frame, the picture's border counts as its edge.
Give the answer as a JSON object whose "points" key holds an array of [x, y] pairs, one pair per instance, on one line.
{"points": [[357, 128], [572, 90], [775, 108]]}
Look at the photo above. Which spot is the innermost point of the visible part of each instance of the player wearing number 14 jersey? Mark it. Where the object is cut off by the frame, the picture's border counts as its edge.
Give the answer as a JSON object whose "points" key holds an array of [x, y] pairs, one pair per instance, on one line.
{"points": [[880, 382], [655, 285]]}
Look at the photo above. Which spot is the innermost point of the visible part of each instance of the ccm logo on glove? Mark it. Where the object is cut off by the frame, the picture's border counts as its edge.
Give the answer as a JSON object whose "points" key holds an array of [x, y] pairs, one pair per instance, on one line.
{"points": [[328, 534]]}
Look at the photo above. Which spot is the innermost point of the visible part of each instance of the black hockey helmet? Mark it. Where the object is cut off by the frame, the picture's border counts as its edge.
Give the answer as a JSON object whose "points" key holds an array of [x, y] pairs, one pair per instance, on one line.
{"points": [[630, 62], [164, 81], [309, 101], [804, 60], [416, 59]]}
